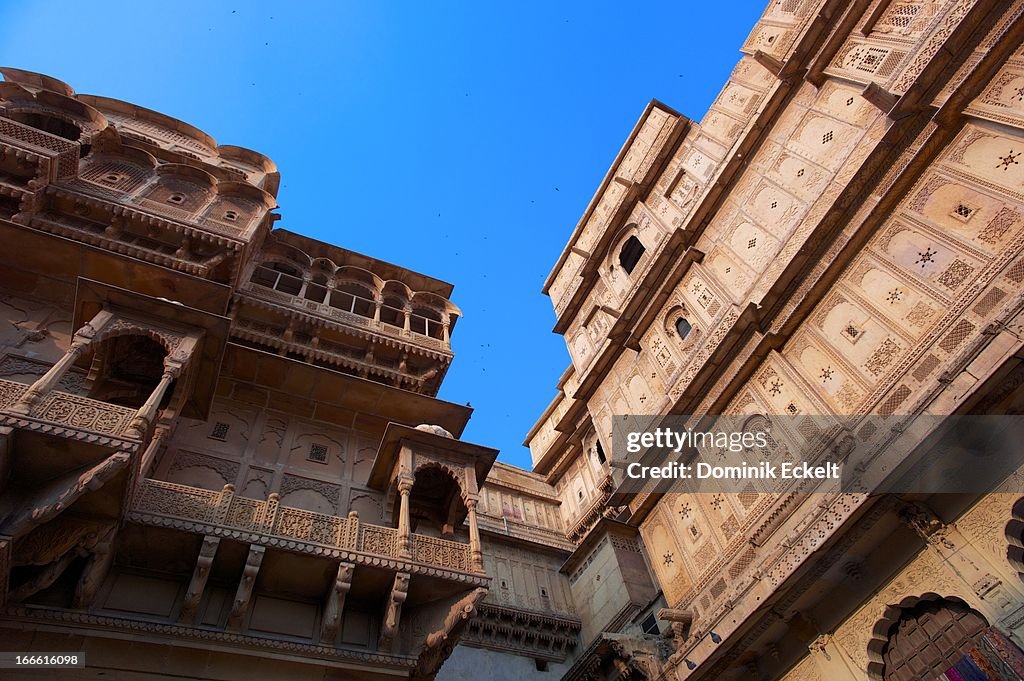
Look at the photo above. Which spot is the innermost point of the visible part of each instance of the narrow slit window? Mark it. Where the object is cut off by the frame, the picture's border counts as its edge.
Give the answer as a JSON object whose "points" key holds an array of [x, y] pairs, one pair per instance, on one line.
{"points": [[599, 450]]}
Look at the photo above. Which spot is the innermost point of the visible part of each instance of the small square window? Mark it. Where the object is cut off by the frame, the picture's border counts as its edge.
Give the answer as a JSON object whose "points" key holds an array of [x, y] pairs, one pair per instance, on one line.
{"points": [[963, 212], [220, 431], [317, 453]]}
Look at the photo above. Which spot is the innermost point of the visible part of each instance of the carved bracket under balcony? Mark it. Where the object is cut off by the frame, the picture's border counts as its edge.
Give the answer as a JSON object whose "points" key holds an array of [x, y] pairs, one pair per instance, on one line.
{"points": [[545, 636]]}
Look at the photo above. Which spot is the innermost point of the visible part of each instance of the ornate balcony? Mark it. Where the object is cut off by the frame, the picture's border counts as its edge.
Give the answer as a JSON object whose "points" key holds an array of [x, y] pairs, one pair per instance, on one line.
{"points": [[72, 416], [348, 317], [267, 523], [54, 156]]}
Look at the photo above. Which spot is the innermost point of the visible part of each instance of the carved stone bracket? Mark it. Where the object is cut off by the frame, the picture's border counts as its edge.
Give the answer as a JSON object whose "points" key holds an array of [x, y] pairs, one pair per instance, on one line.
{"points": [[59, 495], [197, 585], [393, 612], [335, 605], [440, 642], [96, 570], [244, 593]]}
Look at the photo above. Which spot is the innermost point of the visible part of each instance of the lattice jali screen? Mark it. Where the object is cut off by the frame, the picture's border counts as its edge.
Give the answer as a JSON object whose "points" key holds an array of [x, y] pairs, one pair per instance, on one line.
{"points": [[434, 551]]}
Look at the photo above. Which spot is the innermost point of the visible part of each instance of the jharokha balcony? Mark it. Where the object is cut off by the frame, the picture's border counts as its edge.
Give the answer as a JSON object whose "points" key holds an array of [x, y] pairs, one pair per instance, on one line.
{"points": [[267, 523], [70, 415]]}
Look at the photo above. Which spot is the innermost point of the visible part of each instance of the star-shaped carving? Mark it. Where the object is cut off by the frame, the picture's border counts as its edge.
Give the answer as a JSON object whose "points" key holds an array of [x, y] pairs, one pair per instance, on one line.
{"points": [[668, 558], [926, 257], [1009, 160], [826, 374]]}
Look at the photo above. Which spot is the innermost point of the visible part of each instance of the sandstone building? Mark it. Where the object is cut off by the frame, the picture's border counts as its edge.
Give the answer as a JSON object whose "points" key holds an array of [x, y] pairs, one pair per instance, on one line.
{"points": [[222, 455]]}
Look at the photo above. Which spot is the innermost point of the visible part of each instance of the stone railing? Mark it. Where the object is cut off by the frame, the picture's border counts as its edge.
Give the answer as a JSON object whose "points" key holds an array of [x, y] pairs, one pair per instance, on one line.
{"points": [[345, 317], [71, 411], [62, 153], [434, 551], [271, 520]]}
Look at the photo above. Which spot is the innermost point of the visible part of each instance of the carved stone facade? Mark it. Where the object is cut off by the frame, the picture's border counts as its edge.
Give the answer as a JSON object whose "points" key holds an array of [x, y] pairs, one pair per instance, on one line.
{"points": [[842, 235], [222, 440]]}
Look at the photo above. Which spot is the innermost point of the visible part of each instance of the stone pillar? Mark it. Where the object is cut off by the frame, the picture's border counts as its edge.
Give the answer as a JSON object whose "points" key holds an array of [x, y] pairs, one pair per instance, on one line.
{"points": [[404, 540], [476, 557], [156, 443], [407, 310], [445, 333], [146, 414], [38, 390], [376, 310], [302, 289]]}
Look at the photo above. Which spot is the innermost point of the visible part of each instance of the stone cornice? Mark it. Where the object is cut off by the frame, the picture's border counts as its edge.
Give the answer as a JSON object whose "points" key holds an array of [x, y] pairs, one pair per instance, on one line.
{"points": [[20, 617]]}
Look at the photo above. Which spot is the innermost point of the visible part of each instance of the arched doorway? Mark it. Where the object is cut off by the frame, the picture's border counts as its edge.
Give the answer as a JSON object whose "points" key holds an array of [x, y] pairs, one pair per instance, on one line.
{"points": [[125, 370], [930, 638], [435, 503]]}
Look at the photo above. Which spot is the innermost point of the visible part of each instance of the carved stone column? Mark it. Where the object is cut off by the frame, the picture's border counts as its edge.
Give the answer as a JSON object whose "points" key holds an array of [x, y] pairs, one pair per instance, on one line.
{"points": [[476, 557], [404, 541], [149, 456], [79, 344], [146, 414], [407, 310], [376, 310]]}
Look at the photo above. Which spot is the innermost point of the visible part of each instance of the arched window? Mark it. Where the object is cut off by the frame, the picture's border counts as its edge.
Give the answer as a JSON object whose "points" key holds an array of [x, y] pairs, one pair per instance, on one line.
{"points": [[426, 321], [599, 450], [279, 276], [47, 123], [683, 327], [631, 253], [393, 311], [354, 297]]}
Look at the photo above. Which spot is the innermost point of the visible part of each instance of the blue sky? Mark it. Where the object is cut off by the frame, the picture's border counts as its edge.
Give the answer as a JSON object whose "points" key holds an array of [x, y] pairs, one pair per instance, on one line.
{"points": [[462, 140]]}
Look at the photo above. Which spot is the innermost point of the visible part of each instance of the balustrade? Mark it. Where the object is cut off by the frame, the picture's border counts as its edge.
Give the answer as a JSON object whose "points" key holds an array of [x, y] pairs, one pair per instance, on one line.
{"points": [[267, 518], [72, 411], [429, 332]]}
